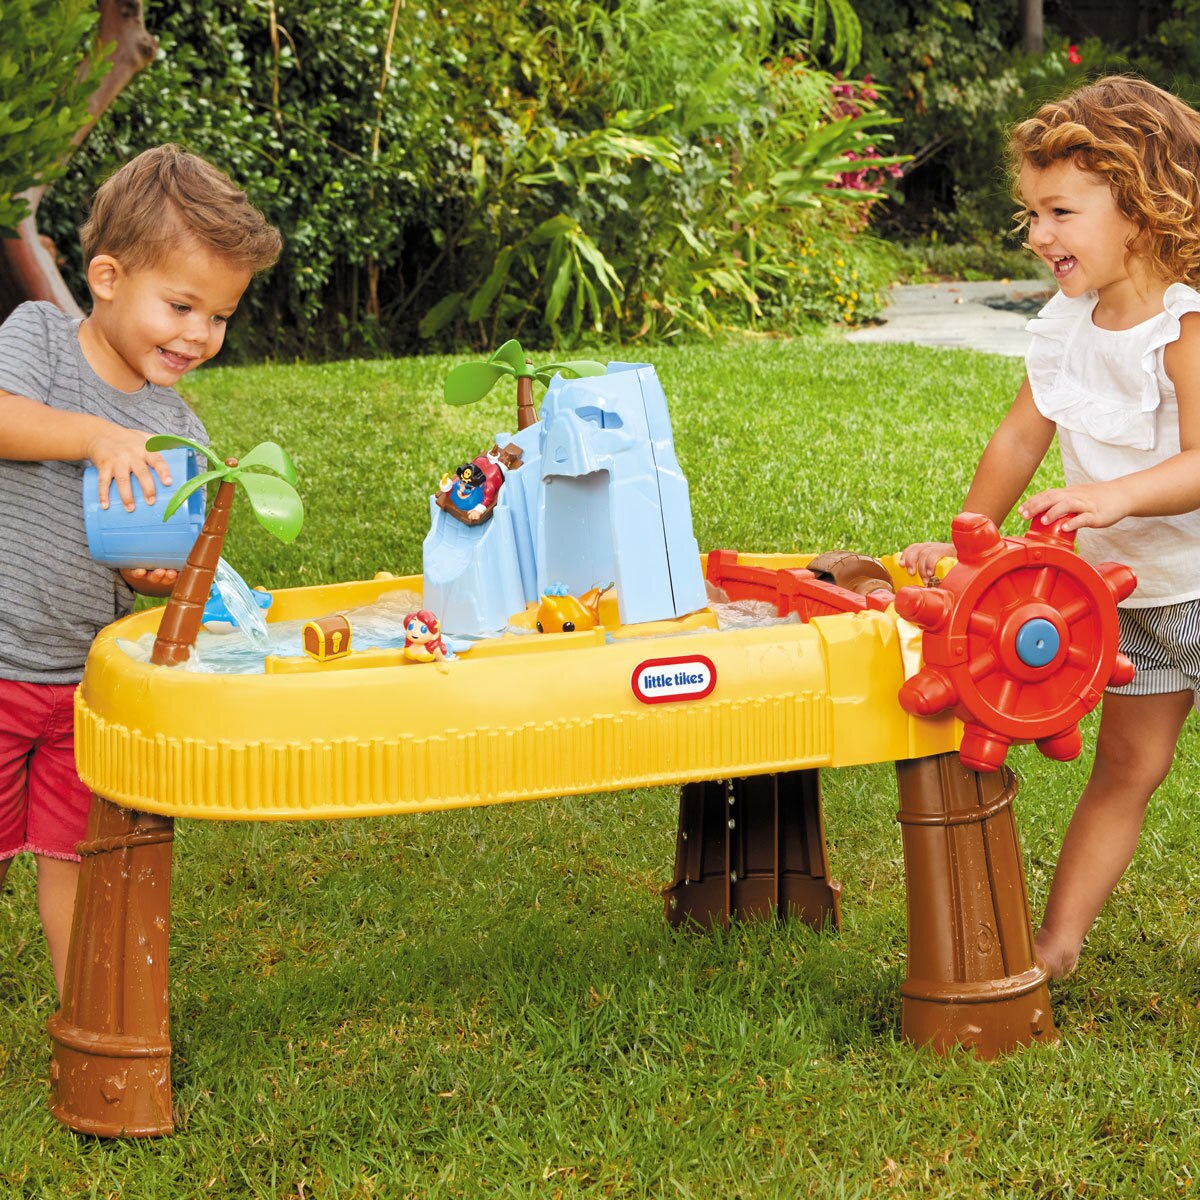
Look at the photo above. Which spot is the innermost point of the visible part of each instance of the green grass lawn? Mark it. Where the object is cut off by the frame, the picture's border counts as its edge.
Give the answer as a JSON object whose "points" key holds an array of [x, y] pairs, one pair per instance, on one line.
{"points": [[489, 1002]]}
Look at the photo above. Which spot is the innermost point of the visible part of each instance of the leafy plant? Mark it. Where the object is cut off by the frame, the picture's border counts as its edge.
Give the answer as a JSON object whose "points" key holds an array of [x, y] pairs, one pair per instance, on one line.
{"points": [[496, 167], [43, 93], [956, 76], [524, 171]]}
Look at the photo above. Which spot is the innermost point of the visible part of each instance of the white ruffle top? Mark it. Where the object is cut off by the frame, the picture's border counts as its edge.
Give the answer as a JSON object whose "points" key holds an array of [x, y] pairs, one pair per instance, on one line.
{"points": [[1116, 413]]}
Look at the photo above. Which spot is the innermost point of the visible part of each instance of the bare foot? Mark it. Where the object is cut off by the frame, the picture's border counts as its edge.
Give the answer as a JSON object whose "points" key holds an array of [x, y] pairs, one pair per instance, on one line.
{"points": [[1058, 958]]}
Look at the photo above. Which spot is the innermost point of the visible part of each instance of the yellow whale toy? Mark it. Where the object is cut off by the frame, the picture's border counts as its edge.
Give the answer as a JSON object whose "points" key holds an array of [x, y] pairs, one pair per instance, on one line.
{"points": [[560, 613]]}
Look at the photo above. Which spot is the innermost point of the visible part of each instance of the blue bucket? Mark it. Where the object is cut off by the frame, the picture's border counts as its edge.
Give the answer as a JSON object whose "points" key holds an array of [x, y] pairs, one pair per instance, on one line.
{"points": [[142, 538]]}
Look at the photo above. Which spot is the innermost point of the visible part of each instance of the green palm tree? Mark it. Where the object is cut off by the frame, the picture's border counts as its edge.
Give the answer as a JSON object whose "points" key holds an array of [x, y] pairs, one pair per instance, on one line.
{"points": [[471, 381], [274, 501]]}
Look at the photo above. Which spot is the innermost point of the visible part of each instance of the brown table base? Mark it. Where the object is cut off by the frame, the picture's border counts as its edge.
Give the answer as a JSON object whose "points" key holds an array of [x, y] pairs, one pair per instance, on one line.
{"points": [[750, 848], [746, 848], [972, 978], [110, 1073], [755, 848]]}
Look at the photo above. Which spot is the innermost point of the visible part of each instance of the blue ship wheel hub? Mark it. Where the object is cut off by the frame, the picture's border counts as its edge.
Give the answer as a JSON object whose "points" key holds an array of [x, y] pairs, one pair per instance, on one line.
{"points": [[1037, 642]]}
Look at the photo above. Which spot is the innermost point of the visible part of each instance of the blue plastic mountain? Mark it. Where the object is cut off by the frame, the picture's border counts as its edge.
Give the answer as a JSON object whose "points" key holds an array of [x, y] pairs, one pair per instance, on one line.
{"points": [[599, 496]]}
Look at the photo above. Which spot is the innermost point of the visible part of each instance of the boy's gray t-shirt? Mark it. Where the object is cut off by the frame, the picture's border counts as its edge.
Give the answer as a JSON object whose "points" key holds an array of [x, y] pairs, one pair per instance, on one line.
{"points": [[53, 598]]}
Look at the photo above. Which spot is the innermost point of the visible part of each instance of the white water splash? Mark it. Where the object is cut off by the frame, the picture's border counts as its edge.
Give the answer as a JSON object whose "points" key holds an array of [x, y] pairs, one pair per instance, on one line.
{"points": [[239, 600]]}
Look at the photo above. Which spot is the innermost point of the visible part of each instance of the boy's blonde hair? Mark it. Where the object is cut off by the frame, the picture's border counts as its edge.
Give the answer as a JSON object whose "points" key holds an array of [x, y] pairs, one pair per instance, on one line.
{"points": [[1145, 144], [166, 195]]}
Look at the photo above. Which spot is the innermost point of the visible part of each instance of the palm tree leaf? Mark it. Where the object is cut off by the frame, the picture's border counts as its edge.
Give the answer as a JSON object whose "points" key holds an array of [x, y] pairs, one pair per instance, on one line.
{"points": [[472, 381], [273, 457], [276, 504], [168, 441], [186, 489], [578, 367], [512, 354]]}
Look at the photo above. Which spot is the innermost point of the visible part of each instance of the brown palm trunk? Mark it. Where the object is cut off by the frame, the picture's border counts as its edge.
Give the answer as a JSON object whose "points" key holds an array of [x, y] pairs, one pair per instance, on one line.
{"points": [[185, 609], [526, 413]]}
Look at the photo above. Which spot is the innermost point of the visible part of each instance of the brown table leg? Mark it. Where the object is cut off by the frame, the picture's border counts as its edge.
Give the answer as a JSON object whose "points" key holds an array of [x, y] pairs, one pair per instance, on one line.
{"points": [[752, 848], [972, 979], [110, 1071]]}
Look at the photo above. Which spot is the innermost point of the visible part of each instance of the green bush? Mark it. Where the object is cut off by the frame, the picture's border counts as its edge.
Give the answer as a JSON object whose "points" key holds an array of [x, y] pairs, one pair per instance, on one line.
{"points": [[933, 258], [513, 169], [43, 98], [1169, 55], [953, 72]]}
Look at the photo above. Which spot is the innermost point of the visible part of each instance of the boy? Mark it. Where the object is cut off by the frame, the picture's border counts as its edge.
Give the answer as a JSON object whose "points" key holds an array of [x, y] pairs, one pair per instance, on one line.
{"points": [[170, 246]]}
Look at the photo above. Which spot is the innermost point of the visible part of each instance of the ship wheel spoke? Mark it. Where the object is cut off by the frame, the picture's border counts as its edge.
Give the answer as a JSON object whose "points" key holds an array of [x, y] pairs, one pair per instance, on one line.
{"points": [[1010, 692], [1008, 590], [1043, 585], [1077, 656], [982, 623], [1077, 609], [984, 665]]}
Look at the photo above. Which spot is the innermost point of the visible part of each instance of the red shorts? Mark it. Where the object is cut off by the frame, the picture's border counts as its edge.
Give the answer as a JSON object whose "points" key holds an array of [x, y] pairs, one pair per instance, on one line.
{"points": [[43, 802]]}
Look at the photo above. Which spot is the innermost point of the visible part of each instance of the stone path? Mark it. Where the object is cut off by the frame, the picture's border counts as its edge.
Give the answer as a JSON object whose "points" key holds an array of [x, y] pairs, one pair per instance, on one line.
{"points": [[988, 316]]}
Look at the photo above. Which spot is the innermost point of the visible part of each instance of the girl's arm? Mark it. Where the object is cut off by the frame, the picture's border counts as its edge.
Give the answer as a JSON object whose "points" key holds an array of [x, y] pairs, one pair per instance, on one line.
{"points": [[1013, 453], [1169, 487]]}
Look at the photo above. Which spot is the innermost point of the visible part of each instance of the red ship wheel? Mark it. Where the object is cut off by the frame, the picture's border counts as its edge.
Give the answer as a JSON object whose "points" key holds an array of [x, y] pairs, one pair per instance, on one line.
{"points": [[1020, 640]]}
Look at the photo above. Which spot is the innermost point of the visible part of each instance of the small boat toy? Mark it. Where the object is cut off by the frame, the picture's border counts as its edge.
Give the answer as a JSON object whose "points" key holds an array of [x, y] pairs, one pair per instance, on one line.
{"points": [[470, 494]]}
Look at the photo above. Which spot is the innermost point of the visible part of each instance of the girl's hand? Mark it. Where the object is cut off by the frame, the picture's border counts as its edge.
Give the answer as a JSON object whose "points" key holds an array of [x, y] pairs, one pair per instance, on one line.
{"points": [[117, 453], [1094, 505], [156, 581], [921, 558]]}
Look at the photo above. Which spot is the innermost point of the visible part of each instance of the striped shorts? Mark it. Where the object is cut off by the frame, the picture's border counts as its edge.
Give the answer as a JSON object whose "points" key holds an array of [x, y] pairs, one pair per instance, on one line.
{"points": [[1164, 646]]}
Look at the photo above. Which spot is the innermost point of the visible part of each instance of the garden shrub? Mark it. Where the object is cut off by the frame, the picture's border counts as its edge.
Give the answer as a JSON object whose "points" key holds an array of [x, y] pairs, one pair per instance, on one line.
{"points": [[515, 169], [43, 98], [953, 72], [955, 75], [1169, 55]]}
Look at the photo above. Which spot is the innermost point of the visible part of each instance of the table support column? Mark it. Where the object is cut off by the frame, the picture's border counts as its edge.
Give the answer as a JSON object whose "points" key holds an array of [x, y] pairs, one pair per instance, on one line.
{"points": [[972, 978], [110, 1071], [752, 848]]}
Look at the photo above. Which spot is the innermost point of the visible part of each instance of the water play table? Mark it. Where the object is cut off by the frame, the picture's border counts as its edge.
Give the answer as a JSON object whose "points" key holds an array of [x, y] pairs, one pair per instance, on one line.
{"points": [[744, 719]]}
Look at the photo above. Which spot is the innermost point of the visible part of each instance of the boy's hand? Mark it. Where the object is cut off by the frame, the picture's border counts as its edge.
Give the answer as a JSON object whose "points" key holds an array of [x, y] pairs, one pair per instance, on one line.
{"points": [[155, 581], [921, 558], [117, 453], [1094, 505]]}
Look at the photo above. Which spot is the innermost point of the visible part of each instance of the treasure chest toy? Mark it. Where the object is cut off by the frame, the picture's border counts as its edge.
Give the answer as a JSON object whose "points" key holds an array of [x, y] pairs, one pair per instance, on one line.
{"points": [[327, 638]]}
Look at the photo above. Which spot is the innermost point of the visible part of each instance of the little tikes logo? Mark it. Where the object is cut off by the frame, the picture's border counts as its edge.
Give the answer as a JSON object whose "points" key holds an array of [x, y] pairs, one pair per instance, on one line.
{"points": [[658, 680]]}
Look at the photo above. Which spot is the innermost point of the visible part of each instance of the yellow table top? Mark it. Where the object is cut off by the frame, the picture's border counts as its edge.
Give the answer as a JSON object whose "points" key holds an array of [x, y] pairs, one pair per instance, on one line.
{"points": [[537, 716]]}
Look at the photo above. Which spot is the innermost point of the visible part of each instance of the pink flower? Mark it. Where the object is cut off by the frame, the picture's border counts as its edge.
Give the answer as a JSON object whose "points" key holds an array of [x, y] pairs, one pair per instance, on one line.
{"points": [[1073, 56]]}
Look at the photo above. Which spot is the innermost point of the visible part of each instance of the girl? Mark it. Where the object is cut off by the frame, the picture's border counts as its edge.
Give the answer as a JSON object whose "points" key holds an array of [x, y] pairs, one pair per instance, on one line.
{"points": [[1107, 180]]}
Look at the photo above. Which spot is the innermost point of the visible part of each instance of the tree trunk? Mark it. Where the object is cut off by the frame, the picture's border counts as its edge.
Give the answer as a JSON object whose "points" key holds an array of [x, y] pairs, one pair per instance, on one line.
{"points": [[526, 413], [185, 609], [1033, 31], [28, 266]]}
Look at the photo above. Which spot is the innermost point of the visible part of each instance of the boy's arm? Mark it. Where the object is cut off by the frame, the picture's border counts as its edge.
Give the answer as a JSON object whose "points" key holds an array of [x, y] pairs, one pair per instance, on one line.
{"points": [[34, 432], [158, 581], [1165, 489]]}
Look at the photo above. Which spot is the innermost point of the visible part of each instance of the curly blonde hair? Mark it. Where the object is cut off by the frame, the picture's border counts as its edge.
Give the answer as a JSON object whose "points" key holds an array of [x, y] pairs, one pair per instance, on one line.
{"points": [[1145, 143], [166, 195]]}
